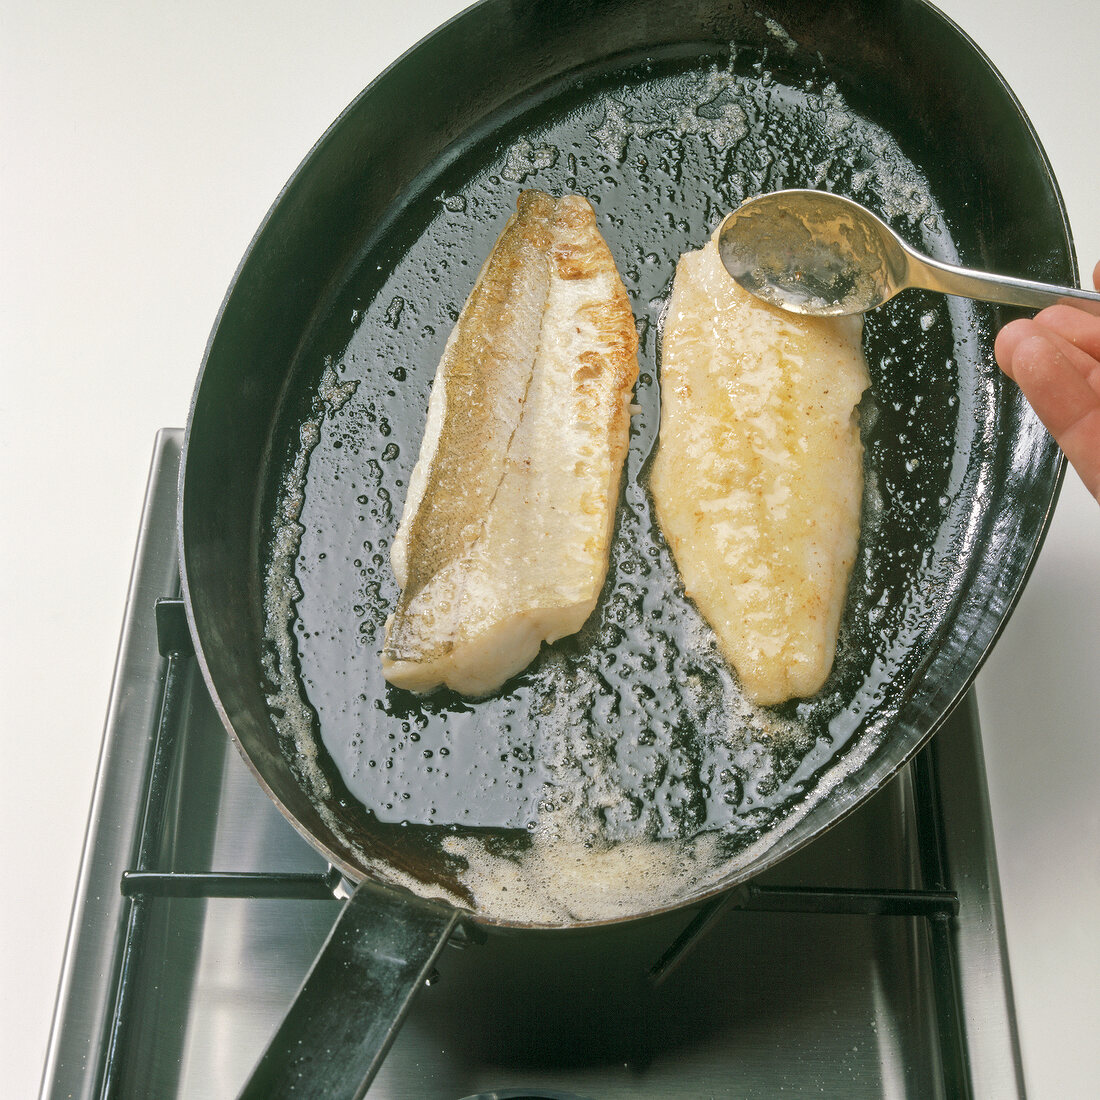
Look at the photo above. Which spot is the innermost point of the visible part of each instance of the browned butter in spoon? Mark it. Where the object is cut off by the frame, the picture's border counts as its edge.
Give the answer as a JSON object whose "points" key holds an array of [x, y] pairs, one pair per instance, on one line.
{"points": [[817, 253]]}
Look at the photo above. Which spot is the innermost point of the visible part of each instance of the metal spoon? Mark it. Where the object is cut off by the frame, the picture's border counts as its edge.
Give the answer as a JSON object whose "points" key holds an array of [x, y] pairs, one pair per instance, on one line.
{"points": [[812, 252]]}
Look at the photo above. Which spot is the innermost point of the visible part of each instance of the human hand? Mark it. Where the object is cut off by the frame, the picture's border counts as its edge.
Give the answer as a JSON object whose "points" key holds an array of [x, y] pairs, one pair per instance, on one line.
{"points": [[1055, 360]]}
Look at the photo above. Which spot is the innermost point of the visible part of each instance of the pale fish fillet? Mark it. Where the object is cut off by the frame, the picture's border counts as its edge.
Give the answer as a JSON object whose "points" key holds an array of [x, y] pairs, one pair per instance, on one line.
{"points": [[758, 479], [503, 543]]}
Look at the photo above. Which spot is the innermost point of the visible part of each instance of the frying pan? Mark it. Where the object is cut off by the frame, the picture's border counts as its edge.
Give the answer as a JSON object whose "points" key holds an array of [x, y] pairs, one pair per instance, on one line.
{"points": [[309, 407]]}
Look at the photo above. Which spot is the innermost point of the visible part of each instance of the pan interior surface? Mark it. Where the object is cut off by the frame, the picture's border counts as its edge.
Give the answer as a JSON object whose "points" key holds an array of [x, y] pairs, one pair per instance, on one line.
{"points": [[624, 772]]}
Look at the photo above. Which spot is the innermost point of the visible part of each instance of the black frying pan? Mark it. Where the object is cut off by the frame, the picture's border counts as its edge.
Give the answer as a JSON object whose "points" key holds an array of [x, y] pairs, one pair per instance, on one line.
{"points": [[308, 413]]}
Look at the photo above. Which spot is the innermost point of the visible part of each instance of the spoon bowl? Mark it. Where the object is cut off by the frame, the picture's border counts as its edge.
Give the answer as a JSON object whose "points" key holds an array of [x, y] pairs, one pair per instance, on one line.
{"points": [[816, 253]]}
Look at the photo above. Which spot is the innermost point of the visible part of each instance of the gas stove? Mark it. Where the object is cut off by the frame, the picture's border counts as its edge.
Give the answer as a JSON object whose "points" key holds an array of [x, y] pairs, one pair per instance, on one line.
{"points": [[870, 964]]}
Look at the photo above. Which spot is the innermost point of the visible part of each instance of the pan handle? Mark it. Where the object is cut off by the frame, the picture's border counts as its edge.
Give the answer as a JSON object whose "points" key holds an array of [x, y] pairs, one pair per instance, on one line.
{"points": [[355, 998]]}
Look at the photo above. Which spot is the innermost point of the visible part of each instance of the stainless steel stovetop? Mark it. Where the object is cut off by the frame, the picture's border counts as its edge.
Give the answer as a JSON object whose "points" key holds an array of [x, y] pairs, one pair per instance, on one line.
{"points": [[871, 964]]}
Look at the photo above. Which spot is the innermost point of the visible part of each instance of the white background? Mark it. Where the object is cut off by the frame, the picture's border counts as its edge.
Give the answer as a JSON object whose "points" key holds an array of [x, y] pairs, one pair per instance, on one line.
{"points": [[140, 146]]}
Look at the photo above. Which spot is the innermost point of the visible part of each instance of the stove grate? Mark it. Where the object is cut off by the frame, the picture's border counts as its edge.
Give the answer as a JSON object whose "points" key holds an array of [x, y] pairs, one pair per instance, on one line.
{"points": [[143, 883]]}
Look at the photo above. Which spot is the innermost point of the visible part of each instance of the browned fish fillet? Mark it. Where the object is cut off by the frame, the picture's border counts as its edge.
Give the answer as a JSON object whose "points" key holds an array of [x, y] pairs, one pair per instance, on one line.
{"points": [[758, 478], [503, 543]]}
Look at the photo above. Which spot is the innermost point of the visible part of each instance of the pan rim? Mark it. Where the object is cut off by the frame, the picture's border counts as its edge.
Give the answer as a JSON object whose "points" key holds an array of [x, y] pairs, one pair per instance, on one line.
{"points": [[356, 873]]}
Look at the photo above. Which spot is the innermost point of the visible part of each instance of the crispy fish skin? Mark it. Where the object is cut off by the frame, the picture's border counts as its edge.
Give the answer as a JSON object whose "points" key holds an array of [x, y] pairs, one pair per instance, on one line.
{"points": [[758, 479], [504, 539]]}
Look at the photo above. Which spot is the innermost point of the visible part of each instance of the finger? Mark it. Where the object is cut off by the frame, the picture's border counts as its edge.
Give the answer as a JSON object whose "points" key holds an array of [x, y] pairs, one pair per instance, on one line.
{"points": [[1081, 445], [1080, 328], [1016, 332], [1008, 340], [1053, 376], [1061, 397]]}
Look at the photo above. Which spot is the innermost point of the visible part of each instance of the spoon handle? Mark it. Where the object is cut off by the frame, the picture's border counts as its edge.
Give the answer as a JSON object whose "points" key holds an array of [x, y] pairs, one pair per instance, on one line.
{"points": [[934, 275]]}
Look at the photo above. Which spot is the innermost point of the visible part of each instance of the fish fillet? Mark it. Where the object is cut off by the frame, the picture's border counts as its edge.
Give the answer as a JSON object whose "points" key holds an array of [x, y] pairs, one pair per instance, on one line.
{"points": [[503, 543], [758, 478]]}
